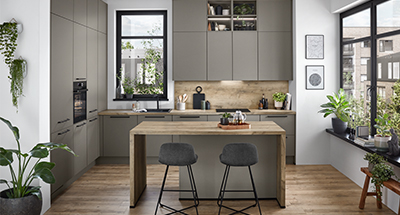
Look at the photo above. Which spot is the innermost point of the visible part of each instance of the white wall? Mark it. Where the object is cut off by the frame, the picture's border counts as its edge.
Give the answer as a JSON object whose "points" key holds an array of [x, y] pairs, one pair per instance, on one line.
{"points": [[314, 17], [113, 6], [33, 117]]}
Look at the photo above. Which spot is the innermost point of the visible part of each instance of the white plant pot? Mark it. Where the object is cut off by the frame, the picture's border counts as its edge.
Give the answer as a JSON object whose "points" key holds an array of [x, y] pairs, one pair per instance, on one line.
{"points": [[381, 143], [278, 105]]}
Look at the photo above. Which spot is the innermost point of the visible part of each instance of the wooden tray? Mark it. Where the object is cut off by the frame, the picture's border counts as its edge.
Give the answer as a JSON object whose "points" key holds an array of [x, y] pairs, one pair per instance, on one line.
{"points": [[231, 126]]}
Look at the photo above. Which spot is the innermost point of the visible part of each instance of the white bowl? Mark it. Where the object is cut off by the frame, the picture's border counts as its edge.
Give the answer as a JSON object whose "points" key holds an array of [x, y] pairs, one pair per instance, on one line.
{"points": [[221, 27], [225, 12]]}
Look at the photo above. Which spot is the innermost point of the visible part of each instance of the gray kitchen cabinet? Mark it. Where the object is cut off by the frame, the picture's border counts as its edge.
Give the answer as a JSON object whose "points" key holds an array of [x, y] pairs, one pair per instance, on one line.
{"points": [[275, 56], [61, 75], [101, 71], [275, 15], [219, 56], [250, 118], [93, 141], [64, 169], [79, 52], [92, 11], [153, 142], [102, 17], [64, 8], [80, 11], [80, 146], [244, 55], [189, 15], [189, 51], [116, 135], [176, 138], [92, 73]]}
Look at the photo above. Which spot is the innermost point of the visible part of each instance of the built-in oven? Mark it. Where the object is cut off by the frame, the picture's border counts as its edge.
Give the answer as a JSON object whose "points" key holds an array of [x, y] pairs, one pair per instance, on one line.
{"points": [[80, 93]]}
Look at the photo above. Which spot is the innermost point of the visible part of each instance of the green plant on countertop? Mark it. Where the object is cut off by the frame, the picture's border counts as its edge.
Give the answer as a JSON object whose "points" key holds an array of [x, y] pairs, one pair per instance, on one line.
{"points": [[8, 41], [21, 179], [381, 173], [279, 97], [337, 105], [374, 158], [226, 115], [242, 9], [383, 125], [17, 69]]}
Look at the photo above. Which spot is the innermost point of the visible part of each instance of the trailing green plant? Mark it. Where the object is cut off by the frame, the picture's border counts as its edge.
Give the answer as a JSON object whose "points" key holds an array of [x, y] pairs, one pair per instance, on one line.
{"points": [[129, 85], [279, 97], [337, 105], [242, 9], [22, 177], [226, 115], [383, 125], [17, 69], [8, 41], [381, 173], [374, 158]]}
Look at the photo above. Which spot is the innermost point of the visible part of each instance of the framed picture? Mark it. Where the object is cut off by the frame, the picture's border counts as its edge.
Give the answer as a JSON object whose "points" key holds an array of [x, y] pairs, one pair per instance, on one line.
{"points": [[315, 78], [314, 46]]}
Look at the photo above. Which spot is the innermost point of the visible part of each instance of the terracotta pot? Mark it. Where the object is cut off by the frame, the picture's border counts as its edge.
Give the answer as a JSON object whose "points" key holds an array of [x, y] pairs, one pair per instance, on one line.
{"points": [[381, 143], [28, 205]]}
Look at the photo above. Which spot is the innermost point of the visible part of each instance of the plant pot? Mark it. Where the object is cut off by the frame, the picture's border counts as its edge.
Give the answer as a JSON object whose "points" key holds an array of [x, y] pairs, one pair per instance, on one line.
{"points": [[28, 205], [380, 142], [129, 96], [224, 121], [370, 166], [339, 126], [278, 105]]}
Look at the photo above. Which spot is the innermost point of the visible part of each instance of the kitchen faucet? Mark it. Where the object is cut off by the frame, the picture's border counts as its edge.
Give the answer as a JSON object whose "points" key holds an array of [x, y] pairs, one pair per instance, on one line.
{"points": [[158, 101]]}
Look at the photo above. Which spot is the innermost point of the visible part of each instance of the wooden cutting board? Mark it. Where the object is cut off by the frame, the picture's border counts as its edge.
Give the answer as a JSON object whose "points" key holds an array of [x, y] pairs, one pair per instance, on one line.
{"points": [[232, 127]]}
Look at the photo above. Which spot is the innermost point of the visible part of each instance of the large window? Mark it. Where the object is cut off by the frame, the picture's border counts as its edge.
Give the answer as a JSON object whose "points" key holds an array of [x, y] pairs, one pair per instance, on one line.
{"points": [[142, 54], [370, 72]]}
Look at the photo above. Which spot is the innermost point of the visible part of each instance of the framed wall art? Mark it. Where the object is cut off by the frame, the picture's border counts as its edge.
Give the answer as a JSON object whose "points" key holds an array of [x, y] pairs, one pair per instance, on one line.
{"points": [[315, 78], [314, 46]]}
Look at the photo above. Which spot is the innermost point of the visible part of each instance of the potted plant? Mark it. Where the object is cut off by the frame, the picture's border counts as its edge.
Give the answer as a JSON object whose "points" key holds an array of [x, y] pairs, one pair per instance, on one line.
{"points": [[383, 125], [20, 197], [339, 106], [381, 173], [242, 9], [129, 87], [224, 120], [373, 159], [17, 70], [278, 98]]}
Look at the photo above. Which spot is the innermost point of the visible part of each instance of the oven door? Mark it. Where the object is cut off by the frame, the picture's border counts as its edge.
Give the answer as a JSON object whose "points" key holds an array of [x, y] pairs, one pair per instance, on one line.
{"points": [[80, 105]]}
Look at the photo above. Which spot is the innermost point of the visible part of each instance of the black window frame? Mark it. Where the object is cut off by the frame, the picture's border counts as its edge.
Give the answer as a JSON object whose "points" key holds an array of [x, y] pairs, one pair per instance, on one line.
{"points": [[119, 38]]}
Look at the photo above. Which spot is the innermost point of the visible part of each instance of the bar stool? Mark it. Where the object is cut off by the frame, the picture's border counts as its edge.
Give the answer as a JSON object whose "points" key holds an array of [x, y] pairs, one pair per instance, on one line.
{"points": [[238, 154], [178, 154]]}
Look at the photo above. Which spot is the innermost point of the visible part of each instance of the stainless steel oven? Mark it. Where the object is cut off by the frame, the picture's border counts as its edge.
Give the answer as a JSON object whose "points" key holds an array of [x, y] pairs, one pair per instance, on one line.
{"points": [[80, 93]]}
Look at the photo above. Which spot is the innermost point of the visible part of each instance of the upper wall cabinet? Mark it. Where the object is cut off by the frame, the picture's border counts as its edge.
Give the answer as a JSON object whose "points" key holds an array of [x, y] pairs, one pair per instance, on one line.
{"points": [[80, 11], [102, 17], [64, 8], [79, 52], [219, 56], [245, 55], [274, 15], [189, 15], [92, 10]]}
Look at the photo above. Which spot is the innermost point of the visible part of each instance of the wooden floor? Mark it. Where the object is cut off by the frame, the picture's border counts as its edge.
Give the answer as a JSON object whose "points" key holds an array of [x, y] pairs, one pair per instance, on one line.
{"points": [[104, 189]]}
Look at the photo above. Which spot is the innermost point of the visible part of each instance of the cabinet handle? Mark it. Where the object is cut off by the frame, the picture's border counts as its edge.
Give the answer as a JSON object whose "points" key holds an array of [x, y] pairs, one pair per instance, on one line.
{"points": [[189, 117], [154, 117], [116, 117], [80, 78], [276, 116], [92, 120], [81, 125], [64, 132], [63, 121], [93, 111]]}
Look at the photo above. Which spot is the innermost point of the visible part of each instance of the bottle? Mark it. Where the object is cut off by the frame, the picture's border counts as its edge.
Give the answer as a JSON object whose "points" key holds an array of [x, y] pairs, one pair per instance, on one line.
{"points": [[137, 105], [260, 105], [263, 101], [265, 105]]}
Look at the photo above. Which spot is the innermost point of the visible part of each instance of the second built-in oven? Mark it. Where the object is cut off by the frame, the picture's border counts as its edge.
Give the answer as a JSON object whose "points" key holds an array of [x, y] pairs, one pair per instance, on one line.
{"points": [[80, 94]]}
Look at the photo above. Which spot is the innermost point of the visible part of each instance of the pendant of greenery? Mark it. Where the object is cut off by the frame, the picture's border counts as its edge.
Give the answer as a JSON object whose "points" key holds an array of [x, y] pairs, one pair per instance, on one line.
{"points": [[8, 41], [17, 70], [22, 177]]}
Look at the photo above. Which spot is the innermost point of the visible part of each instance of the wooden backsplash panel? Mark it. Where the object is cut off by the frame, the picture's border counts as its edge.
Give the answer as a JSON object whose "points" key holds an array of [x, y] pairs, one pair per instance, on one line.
{"points": [[228, 94]]}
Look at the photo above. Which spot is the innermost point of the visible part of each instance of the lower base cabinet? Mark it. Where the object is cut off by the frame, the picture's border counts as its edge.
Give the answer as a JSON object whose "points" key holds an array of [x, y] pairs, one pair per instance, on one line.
{"points": [[93, 139], [116, 135], [80, 146]]}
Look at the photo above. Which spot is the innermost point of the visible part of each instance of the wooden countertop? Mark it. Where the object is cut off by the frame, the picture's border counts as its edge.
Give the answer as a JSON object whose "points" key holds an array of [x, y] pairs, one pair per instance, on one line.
{"points": [[124, 112], [204, 128]]}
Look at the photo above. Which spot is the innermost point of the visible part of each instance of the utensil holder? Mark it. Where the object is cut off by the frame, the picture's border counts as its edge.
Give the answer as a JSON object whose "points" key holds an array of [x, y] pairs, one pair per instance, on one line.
{"points": [[180, 106]]}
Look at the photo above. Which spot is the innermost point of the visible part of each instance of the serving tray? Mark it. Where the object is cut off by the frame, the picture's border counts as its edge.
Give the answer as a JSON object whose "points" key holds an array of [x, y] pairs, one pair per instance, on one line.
{"points": [[231, 126]]}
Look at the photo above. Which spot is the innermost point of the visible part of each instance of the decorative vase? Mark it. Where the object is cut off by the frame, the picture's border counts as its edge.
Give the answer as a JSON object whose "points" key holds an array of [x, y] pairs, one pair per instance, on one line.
{"points": [[218, 10], [118, 92], [278, 105], [339, 126], [224, 121], [28, 205], [370, 166], [381, 144], [129, 96]]}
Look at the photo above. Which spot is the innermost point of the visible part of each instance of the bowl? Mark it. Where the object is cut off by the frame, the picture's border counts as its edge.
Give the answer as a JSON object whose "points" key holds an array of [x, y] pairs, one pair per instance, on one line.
{"points": [[221, 27], [225, 12]]}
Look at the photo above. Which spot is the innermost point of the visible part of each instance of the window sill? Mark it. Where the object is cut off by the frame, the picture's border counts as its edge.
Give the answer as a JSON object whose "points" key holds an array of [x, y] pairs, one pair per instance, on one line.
{"points": [[395, 160]]}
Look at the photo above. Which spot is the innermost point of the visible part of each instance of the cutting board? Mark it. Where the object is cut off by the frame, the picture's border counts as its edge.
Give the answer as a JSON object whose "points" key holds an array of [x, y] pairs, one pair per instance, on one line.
{"points": [[197, 97]]}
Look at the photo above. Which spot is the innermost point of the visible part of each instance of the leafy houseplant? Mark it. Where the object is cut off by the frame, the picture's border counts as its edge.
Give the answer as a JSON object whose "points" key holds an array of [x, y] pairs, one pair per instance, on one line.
{"points": [[339, 106], [242, 9], [21, 179], [129, 87], [373, 159], [17, 70], [8, 41], [278, 98], [383, 125], [381, 173], [225, 118]]}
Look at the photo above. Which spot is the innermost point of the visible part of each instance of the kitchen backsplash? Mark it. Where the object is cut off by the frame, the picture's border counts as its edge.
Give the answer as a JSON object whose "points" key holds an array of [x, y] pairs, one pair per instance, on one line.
{"points": [[231, 94]]}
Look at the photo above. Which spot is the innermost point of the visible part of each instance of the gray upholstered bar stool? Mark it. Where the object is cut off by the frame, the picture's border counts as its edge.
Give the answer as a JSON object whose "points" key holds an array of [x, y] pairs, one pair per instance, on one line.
{"points": [[178, 154], [239, 155]]}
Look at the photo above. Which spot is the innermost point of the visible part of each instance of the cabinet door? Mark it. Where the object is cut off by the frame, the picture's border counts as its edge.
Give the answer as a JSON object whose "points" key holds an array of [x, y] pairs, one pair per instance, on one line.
{"points": [[80, 11], [92, 10], [190, 56], [274, 15], [116, 135], [102, 17], [153, 142], [285, 121], [275, 56], [61, 73], [244, 55], [101, 72], [175, 138], [93, 142], [64, 8], [79, 52], [80, 146], [92, 73], [190, 15], [219, 56], [64, 169]]}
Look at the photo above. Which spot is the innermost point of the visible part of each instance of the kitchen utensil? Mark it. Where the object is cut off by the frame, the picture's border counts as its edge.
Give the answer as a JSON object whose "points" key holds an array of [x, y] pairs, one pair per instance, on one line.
{"points": [[221, 27], [180, 106], [197, 97], [239, 118], [180, 98], [185, 98]]}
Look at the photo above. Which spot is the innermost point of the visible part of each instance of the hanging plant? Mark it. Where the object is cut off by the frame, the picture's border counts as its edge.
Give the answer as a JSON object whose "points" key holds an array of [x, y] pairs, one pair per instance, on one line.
{"points": [[8, 41], [17, 70]]}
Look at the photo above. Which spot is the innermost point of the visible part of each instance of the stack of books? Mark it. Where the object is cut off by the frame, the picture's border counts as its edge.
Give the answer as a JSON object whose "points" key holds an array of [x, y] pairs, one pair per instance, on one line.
{"points": [[366, 142]]}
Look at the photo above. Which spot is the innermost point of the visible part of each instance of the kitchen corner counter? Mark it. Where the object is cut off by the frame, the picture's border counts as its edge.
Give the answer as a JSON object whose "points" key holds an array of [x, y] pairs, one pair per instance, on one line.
{"points": [[124, 112]]}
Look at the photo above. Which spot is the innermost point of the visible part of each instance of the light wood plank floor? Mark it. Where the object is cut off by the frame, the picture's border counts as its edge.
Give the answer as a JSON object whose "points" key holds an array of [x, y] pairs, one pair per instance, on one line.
{"points": [[317, 189]]}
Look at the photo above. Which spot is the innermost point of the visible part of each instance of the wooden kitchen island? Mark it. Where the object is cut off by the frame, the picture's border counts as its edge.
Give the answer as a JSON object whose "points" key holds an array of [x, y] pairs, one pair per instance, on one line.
{"points": [[138, 148]]}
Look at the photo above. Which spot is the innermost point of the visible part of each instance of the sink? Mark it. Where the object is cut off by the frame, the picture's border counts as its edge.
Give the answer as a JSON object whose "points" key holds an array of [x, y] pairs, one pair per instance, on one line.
{"points": [[158, 110], [232, 110]]}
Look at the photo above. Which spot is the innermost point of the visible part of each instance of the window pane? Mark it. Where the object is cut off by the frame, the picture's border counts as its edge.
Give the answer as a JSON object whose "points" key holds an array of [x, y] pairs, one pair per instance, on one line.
{"points": [[356, 82], [139, 25], [357, 25], [388, 16]]}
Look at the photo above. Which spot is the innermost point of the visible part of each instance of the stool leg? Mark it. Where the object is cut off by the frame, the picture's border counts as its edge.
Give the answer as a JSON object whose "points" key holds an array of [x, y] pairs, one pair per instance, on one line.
{"points": [[194, 184], [254, 190], [225, 180], [364, 192], [222, 184], [162, 189], [191, 185]]}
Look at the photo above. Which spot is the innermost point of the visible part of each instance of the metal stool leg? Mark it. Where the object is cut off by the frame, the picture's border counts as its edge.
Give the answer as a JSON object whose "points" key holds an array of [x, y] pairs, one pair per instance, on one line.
{"points": [[193, 189], [254, 189], [222, 184], [162, 189], [224, 187], [194, 184]]}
